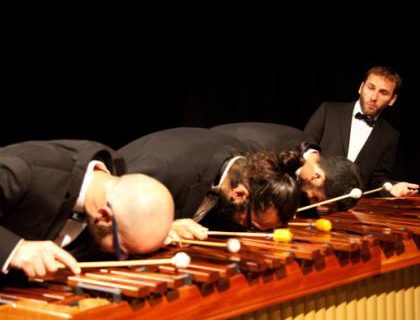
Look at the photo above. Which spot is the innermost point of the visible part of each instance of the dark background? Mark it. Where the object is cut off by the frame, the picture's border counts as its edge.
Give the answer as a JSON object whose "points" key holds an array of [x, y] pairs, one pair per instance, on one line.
{"points": [[115, 83]]}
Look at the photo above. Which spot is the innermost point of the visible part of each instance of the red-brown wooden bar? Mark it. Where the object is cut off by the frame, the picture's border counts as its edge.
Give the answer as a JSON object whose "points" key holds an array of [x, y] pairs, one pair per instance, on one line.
{"points": [[376, 237]]}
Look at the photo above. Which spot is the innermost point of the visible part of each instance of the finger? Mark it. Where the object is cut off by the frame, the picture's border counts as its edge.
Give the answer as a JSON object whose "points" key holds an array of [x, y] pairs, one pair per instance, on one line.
{"points": [[182, 245], [182, 222], [174, 235], [197, 230], [59, 265], [29, 271], [50, 262], [167, 241], [66, 258], [186, 234], [198, 226], [171, 237], [39, 267], [199, 233]]}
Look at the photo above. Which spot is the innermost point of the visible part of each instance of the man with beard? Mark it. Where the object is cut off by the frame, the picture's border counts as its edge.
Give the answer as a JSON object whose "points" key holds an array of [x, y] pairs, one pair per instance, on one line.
{"points": [[356, 130], [214, 182], [321, 177], [58, 195]]}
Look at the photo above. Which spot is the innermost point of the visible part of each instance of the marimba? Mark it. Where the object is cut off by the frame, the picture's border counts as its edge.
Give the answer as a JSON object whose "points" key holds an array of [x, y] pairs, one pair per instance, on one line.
{"points": [[367, 267]]}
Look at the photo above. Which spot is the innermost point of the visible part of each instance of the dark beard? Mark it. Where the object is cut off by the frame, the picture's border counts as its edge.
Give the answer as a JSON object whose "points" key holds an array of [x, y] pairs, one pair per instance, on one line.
{"points": [[304, 201], [306, 185], [224, 215]]}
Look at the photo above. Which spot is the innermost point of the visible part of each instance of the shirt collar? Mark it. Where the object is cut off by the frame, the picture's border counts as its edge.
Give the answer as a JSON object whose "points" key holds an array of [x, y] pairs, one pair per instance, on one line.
{"points": [[92, 166], [216, 187]]}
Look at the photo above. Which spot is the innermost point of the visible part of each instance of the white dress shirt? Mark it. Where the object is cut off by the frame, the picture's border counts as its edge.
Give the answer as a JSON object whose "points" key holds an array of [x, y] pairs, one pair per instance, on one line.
{"points": [[359, 133]]}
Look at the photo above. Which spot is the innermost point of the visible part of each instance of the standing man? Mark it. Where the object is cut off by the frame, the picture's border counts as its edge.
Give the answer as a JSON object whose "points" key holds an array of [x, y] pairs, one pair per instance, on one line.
{"points": [[60, 198], [357, 132]]}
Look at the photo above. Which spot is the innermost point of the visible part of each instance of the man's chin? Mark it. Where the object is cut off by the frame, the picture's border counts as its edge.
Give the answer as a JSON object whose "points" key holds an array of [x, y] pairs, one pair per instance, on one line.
{"points": [[323, 210]]}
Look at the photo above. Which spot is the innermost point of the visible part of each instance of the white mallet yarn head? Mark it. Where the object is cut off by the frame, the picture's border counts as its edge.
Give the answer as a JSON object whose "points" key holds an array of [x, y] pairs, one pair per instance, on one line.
{"points": [[181, 260], [233, 245], [356, 193], [387, 186]]}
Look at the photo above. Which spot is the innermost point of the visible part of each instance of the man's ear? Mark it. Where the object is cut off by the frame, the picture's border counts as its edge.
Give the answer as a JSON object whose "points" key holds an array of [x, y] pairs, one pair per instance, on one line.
{"points": [[318, 176], [239, 194], [394, 98], [103, 216], [361, 86]]}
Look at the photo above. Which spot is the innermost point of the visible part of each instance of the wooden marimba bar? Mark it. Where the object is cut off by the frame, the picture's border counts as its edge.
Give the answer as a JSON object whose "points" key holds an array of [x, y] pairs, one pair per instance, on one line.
{"points": [[375, 239]]}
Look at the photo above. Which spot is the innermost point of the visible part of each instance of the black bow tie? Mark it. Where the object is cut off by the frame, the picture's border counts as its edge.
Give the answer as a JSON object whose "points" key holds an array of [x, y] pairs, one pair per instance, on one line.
{"points": [[369, 120]]}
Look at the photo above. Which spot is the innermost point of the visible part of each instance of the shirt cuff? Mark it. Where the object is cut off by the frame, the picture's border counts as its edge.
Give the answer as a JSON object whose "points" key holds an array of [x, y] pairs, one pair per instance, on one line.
{"points": [[5, 268]]}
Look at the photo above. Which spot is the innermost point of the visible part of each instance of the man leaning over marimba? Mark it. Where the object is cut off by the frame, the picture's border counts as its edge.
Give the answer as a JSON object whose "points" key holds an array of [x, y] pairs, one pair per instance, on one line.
{"points": [[61, 200], [221, 182], [321, 177]]}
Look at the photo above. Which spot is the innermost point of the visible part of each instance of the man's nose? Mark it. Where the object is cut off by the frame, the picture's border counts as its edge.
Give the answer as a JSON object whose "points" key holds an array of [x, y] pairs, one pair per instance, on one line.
{"points": [[374, 96]]}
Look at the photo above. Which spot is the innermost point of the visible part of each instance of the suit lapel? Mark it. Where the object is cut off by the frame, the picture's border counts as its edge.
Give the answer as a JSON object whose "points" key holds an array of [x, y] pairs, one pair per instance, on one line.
{"points": [[346, 117]]}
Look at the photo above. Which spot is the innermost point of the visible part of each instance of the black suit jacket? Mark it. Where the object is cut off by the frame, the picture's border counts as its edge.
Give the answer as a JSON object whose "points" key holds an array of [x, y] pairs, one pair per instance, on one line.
{"points": [[330, 127], [39, 185], [186, 160], [266, 136]]}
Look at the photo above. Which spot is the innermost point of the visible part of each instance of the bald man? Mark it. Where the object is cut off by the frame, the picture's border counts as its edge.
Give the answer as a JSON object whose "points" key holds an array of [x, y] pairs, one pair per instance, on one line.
{"points": [[54, 193]]}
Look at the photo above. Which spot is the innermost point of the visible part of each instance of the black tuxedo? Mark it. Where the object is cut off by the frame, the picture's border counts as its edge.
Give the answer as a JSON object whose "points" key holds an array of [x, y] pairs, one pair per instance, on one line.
{"points": [[186, 160], [330, 127], [266, 136], [39, 185]]}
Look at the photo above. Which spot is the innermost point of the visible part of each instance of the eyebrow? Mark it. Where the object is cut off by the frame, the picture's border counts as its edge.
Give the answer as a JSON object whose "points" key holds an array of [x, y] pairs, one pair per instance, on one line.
{"points": [[383, 91]]}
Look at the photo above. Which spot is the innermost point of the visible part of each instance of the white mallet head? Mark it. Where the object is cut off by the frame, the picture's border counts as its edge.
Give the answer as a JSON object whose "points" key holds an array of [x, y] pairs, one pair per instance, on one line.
{"points": [[387, 186], [233, 245], [181, 260], [356, 193]]}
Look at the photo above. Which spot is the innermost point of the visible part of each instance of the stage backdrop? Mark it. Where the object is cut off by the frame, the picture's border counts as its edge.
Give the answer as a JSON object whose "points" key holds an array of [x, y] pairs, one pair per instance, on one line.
{"points": [[114, 84]]}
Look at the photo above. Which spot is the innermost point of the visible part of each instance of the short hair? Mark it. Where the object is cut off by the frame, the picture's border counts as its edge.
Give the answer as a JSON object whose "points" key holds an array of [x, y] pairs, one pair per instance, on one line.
{"points": [[389, 74], [269, 184], [341, 176]]}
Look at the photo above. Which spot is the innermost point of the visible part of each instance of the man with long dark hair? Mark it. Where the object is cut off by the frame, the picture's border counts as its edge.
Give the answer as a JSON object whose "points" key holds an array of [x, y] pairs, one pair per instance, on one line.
{"points": [[208, 172]]}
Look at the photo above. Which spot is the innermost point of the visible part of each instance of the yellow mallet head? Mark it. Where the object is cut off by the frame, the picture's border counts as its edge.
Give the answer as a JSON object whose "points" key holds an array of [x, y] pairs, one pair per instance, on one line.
{"points": [[323, 225], [282, 235]]}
